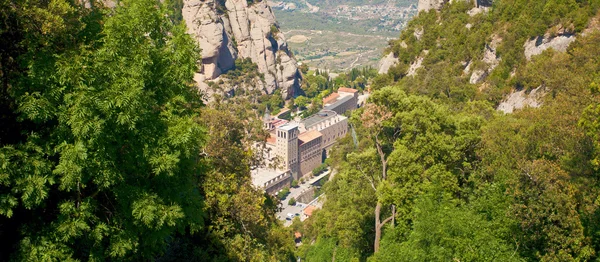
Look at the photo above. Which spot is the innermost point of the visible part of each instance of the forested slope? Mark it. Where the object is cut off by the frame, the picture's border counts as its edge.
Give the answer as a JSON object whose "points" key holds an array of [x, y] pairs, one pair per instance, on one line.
{"points": [[438, 174], [106, 151]]}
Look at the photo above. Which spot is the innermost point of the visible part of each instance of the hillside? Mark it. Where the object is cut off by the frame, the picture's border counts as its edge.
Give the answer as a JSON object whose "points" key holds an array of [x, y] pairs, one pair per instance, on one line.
{"points": [[479, 140], [439, 171]]}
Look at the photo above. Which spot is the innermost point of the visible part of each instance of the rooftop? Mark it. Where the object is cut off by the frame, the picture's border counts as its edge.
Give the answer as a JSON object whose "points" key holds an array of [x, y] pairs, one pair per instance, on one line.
{"points": [[288, 126], [347, 90], [331, 98], [337, 103], [318, 117], [309, 210], [279, 122], [260, 176], [309, 135]]}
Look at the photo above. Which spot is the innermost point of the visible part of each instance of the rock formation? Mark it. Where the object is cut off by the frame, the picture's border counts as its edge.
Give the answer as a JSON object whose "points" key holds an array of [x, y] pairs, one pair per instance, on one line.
{"points": [[387, 62], [417, 64], [426, 5], [490, 59], [537, 45], [236, 29], [520, 99]]}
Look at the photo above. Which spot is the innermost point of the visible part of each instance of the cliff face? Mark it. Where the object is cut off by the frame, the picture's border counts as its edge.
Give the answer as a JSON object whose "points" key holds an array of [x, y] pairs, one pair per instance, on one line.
{"points": [[230, 29], [426, 5]]}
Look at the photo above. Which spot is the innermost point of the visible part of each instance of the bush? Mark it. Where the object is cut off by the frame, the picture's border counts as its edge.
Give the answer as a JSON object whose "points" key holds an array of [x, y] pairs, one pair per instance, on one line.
{"points": [[292, 201], [283, 193], [295, 183], [318, 170]]}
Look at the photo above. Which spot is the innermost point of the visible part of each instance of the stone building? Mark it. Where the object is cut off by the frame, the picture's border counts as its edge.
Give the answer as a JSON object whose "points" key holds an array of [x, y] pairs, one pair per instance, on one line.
{"points": [[286, 147], [346, 99], [310, 151], [271, 180], [297, 148], [329, 123]]}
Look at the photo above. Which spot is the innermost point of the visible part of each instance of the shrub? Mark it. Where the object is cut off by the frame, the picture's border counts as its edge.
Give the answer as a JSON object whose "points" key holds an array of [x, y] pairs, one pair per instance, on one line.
{"points": [[283, 193], [318, 170]]}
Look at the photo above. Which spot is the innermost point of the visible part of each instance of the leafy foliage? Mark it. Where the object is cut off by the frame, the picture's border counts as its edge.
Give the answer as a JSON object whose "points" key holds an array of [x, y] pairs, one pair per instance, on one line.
{"points": [[110, 156], [463, 182]]}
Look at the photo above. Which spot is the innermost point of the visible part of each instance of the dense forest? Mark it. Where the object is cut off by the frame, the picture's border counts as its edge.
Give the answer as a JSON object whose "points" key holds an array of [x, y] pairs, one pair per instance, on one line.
{"points": [[106, 151], [437, 174]]}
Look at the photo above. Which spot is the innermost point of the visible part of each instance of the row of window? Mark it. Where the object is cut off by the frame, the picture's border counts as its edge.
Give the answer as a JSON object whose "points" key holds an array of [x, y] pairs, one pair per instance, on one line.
{"points": [[284, 134]]}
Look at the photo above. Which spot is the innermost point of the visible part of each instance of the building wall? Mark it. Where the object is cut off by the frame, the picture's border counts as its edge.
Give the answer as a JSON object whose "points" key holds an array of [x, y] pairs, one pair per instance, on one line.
{"points": [[332, 129], [348, 105], [310, 156], [274, 186], [287, 149]]}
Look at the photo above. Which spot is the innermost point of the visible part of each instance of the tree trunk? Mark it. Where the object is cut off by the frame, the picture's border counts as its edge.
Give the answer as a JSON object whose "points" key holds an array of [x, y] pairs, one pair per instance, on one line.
{"points": [[377, 226]]}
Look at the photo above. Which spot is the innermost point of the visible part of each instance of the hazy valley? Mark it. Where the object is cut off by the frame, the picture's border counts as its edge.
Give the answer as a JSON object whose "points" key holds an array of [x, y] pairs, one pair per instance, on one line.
{"points": [[340, 35]]}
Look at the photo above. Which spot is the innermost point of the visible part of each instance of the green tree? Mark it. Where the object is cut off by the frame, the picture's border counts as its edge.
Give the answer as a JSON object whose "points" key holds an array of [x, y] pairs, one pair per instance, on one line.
{"points": [[445, 230], [301, 102], [113, 169]]}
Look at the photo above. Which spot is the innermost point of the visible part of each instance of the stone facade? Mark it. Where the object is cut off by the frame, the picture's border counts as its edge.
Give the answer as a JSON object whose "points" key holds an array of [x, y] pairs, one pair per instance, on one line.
{"points": [[346, 99], [329, 123], [310, 151], [287, 147], [271, 180]]}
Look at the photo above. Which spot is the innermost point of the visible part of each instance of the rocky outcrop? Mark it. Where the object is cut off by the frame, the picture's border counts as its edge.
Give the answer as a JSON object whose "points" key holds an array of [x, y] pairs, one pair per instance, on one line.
{"points": [[418, 63], [490, 59], [387, 62], [520, 99], [537, 45], [233, 29], [426, 5]]}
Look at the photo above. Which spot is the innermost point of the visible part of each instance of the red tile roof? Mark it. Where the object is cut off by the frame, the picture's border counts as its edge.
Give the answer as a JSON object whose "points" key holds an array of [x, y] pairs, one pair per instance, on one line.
{"points": [[347, 90], [309, 210], [330, 98]]}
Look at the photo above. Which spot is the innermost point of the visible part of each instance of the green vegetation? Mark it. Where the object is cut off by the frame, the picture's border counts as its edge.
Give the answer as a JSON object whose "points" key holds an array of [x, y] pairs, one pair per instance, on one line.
{"points": [[318, 85], [318, 170], [244, 72], [292, 201], [106, 151], [282, 194], [451, 44], [439, 175]]}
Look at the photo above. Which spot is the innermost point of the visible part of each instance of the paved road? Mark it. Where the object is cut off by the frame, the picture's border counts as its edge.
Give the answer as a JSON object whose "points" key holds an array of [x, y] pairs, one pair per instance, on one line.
{"points": [[295, 193]]}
